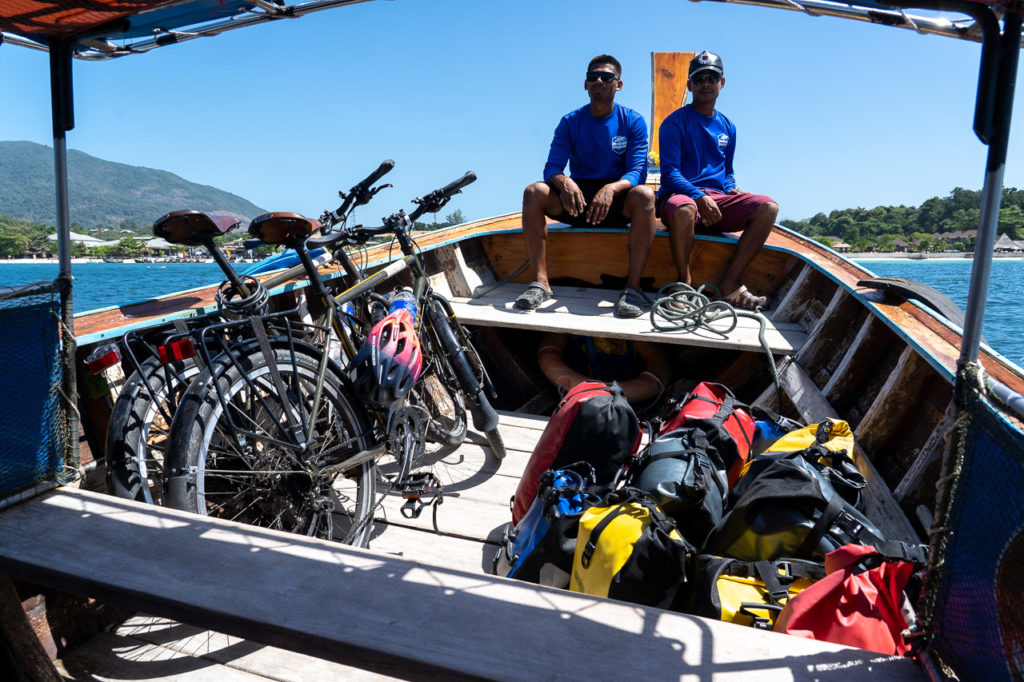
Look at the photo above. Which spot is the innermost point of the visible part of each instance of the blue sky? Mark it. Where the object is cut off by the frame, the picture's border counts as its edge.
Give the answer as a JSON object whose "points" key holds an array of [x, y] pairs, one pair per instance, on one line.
{"points": [[830, 113]]}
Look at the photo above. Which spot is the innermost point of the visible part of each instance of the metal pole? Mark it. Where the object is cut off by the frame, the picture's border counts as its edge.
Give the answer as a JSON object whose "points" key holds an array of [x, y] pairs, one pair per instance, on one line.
{"points": [[62, 103], [991, 197], [61, 99]]}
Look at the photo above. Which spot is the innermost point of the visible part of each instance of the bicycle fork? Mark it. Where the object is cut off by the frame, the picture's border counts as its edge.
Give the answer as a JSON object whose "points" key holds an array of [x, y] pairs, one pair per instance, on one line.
{"points": [[484, 417]]}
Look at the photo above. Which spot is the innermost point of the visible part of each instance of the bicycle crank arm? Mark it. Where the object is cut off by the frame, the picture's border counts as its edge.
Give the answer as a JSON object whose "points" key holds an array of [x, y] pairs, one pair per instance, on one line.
{"points": [[354, 461]]}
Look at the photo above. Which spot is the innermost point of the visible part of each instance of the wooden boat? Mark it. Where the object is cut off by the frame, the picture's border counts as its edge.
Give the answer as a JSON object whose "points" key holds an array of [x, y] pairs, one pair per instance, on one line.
{"points": [[421, 603]]}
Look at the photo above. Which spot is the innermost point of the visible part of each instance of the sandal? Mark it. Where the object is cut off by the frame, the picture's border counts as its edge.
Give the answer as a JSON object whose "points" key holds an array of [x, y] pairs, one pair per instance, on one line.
{"points": [[534, 295], [631, 303], [742, 298]]}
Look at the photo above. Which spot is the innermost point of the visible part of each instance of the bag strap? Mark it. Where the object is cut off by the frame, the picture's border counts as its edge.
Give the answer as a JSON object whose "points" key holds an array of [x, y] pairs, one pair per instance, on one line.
{"points": [[828, 515], [729, 407], [628, 495], [761, 412], [896, 550], [591, 546], [614, 388], [769, 575]]}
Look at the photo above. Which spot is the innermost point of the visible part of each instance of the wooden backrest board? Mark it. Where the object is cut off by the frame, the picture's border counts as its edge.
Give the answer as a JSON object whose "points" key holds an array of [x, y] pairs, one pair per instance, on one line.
{"points": [[669, 73]]}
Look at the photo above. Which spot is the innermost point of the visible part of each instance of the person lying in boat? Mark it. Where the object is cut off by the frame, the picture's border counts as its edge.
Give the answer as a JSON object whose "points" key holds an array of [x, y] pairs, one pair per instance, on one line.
{"points": [[605, 145], [642, 369], [698, 189]]}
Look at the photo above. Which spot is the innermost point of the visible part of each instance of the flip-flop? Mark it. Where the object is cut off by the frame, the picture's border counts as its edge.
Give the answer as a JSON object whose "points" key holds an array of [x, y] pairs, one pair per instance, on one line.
{"points": [[742, 298], [534, 295]]}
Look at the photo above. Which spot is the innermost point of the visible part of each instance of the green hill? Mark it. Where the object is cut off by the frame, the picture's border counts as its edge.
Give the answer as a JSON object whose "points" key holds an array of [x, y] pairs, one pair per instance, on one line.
{"points": [[102, 193]]}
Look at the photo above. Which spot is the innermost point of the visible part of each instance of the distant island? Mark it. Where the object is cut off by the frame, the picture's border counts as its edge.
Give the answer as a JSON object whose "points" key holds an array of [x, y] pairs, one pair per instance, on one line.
{"points": [[113, 206], [102, 194], [940, 224]]}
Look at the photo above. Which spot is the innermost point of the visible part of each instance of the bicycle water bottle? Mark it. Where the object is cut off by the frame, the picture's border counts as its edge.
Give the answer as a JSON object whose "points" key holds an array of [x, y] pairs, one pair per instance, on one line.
{"points": [[404, 298]]}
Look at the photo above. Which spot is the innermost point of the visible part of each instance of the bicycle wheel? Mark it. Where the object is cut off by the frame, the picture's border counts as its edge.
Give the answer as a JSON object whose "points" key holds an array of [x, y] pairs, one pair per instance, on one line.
{"points": [[446, 427], [234, 456], [140, 423]]}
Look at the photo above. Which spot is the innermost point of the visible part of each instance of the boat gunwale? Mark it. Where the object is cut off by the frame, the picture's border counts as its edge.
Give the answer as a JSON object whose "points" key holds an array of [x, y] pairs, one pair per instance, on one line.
{"points": [[834, 266]]}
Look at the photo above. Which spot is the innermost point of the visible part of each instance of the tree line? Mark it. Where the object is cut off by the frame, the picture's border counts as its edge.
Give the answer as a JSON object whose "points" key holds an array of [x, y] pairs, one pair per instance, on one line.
{"points": [[23, 237], [938, 224]]}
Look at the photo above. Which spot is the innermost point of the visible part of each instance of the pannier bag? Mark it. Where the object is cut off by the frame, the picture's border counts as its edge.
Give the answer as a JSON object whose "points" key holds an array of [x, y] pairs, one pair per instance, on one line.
{"points": [[628, 549], [687, 480], [788, 509], [868, 609], [539, 549], [726, 422], [747, 593], [829, 447], [593, 423]]}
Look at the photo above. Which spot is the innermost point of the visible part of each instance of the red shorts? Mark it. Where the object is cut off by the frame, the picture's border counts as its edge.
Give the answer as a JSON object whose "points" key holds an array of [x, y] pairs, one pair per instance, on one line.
{"points": [[736, 209]]}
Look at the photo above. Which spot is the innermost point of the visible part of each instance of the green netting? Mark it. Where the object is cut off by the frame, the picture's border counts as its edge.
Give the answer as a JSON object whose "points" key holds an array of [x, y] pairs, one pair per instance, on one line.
{"points": [[975, 590], [33, 423]]}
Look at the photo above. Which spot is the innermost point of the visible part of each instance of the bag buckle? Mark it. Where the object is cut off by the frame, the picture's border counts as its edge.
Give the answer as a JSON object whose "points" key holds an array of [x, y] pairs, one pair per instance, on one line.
{"points": [[759, 622], [588, 552]]}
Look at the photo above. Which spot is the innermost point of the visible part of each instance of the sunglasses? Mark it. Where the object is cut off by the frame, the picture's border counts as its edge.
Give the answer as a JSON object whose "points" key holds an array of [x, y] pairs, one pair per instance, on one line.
{"points": [[605, 76], [706, 77]]}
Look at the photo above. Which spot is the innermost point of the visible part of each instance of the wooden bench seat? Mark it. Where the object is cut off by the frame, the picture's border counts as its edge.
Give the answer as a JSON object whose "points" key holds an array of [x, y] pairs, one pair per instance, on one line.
{"points": [[591, 312], [383, 613]]}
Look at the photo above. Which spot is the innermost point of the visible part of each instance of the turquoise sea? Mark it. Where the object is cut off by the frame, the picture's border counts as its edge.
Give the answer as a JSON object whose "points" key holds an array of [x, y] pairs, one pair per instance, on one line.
{"points": [[98, 285]]}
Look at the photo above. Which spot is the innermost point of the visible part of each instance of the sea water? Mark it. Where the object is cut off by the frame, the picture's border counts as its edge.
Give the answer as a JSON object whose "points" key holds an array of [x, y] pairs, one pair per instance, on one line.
{"points": [[99, 285]]}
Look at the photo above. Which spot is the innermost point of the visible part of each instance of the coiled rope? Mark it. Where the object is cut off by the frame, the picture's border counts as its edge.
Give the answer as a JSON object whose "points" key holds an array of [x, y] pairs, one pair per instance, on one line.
{"points": [[680, 307]]}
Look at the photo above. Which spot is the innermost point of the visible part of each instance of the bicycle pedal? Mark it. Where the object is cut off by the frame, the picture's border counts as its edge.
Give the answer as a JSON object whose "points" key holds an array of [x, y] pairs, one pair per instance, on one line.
{"points": [[420, 490]]}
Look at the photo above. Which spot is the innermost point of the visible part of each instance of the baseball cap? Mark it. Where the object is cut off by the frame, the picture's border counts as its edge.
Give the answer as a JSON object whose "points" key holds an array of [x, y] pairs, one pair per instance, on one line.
{"points": [[706, 61]]}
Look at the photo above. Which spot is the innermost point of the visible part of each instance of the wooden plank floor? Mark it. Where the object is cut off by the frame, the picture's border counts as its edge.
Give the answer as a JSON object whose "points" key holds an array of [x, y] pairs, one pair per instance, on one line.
{"points": [[590, 311], [664, 645], [470, 519]]}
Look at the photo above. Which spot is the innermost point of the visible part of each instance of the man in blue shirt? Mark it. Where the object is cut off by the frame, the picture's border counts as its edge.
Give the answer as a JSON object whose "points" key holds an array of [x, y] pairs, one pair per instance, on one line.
{"points": [[605, 145], [698, 190]]}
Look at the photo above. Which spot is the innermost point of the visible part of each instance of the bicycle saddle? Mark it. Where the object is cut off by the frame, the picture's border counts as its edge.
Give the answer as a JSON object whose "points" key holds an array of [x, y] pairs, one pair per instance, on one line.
{"points": [[280, 227], [192, 228]]}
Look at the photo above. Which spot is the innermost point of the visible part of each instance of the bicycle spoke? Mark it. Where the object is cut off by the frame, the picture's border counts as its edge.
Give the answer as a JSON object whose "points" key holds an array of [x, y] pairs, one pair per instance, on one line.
{"points": [[247, 468]]}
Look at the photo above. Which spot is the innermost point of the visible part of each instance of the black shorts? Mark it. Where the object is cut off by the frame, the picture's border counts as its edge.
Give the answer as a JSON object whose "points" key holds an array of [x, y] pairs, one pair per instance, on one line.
{"points": [[615, 218]]}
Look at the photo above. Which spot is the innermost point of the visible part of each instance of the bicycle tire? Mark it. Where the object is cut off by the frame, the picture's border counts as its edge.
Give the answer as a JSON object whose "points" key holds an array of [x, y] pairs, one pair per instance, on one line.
{"points": [[138, 432], [445, 406], [243, 474]]}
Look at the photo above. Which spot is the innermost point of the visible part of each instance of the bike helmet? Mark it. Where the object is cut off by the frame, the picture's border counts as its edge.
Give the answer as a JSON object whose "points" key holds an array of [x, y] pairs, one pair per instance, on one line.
{"points": [[390, 361]]}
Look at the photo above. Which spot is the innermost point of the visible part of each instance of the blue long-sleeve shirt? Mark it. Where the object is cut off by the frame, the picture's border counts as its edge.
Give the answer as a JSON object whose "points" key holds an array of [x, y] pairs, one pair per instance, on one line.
{"points": [[696, 152], [610, 148]]}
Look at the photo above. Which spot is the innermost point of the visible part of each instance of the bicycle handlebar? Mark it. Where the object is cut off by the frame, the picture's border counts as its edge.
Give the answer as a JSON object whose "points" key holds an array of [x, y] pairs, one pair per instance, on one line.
{"points": [[435, 201], [358, 234], [360, 193], [383, 169]]}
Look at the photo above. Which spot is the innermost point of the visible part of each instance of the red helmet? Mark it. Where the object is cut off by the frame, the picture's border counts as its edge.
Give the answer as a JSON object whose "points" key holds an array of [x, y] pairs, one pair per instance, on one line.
{"points": [[390, 362]]}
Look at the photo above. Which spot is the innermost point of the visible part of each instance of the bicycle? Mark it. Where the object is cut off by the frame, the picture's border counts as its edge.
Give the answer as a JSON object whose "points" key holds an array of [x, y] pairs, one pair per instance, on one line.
{"points": [[141, 416], [247, 441]]}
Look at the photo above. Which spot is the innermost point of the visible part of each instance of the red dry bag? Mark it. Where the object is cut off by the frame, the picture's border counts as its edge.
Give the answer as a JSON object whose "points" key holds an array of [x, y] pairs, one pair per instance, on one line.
{"points": [[862, 608], [593, 423], [728, 426]]}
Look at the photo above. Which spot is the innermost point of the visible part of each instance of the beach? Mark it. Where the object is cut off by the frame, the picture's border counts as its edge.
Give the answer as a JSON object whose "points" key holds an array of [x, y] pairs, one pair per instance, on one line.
{"points": [[941, 256]]}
